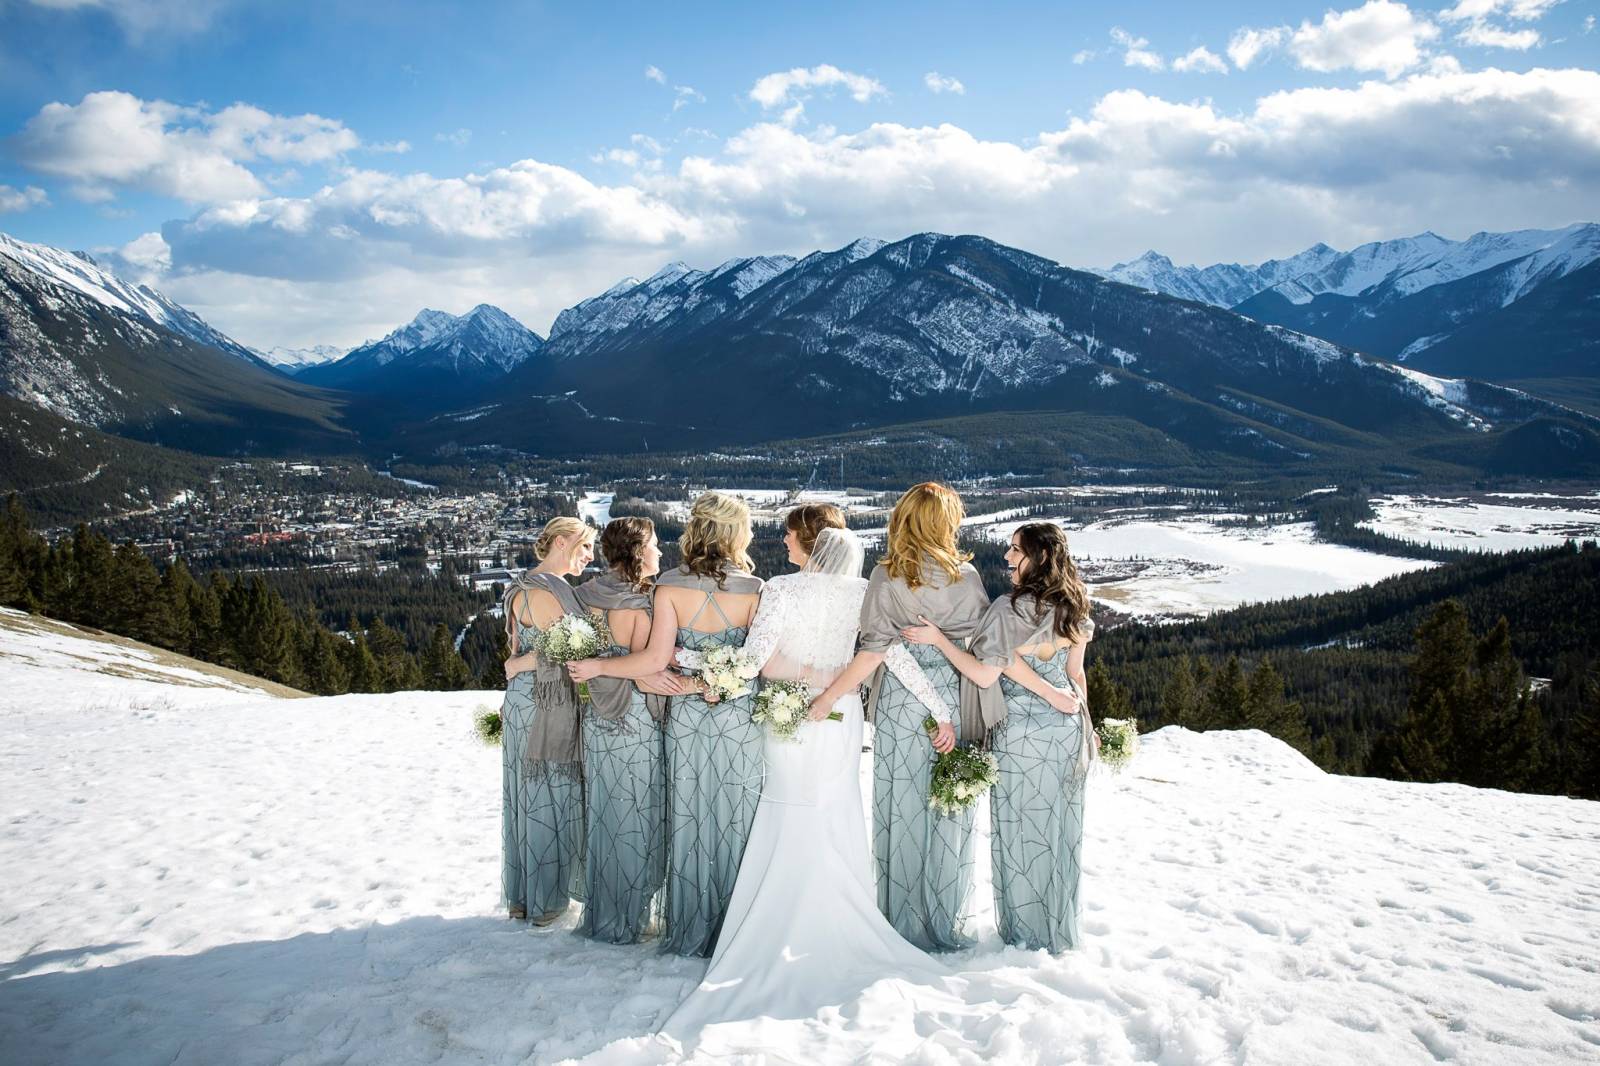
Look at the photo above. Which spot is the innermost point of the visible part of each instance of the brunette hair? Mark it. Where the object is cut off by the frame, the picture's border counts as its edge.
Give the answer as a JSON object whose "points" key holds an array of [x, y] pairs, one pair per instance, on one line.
{"points": [[560, 526], [716, 536], [622, 543], [924, 525], [1051, 578], [810, 519]]}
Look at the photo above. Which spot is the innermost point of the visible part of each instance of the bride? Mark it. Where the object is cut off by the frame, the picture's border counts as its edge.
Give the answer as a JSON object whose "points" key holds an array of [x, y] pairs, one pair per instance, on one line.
{"points": [[803, 930]]}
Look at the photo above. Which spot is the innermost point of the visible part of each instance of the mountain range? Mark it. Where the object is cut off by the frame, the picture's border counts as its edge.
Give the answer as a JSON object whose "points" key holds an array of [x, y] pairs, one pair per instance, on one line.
{"points": [[1444, 306], [871, 334]]}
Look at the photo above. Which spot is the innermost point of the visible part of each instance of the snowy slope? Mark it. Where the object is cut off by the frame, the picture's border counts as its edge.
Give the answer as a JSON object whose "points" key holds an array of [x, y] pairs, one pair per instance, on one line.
{"points": [[432, 349], [77, 271], [294, 360], [202, 876]]}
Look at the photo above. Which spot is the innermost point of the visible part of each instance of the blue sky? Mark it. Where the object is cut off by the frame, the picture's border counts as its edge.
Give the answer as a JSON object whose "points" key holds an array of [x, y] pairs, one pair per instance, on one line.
{"points": [[316, 173]]}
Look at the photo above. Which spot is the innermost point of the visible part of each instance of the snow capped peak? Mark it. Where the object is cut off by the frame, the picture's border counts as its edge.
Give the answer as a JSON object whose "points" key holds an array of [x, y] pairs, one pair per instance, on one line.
{"points": [[484, 336], [861, 248], [624, 285], [669, 273], [293, 360], [79, 272]]}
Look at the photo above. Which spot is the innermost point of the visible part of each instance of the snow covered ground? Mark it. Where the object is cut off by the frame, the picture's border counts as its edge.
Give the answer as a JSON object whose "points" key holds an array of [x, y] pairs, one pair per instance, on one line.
{"points": [[1194, 566], [201, 875], [1533, 520]]}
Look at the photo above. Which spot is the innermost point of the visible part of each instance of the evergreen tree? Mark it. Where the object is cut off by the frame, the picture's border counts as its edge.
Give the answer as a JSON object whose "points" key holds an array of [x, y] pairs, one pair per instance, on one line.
{"points": [[261, 632], [1226, 695], [360, 667], [322, 665], [1498, 729], [1269, 710], [130, 605], [1425, 747], [89, 577], [492, 669], [207, 639], [177, 584], [1107, 699], [19, 555], [1585, 776], [443, 670], [1180, 695], [397, 670]]}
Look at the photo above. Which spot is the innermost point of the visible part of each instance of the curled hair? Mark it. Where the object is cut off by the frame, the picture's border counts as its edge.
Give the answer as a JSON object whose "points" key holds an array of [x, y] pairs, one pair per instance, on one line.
{"points": [[560, 526], [924, 526], [716, 537], [1051, 578], [810, 519], [622, 543]]}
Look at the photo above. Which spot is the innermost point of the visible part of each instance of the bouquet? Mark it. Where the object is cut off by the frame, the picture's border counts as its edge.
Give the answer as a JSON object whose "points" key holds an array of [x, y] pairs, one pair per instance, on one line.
{"points": [[486, 723], [728, 671], [782, 705], [1119, 742], [572, 637], [960, 776]]}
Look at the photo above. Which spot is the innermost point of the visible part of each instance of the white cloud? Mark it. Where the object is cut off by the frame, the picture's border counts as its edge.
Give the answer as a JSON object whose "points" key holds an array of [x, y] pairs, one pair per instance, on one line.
{"points": [[458, 138], [1083, 55], [1247, 44], [141, 18], [654, 73], [779, 89], [1380, 35], [1474, 10], [684, 95], [23, 199], [114, 139], [1200, 60], [1483, 35], [939, 83], [1456, 152], [145, 260], [1134, 50], [1588, 24]]}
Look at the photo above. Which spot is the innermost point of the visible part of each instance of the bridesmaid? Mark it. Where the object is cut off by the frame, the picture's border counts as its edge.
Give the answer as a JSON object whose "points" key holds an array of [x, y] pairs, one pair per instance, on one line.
{"points": [[1043, 749], [713, 751], [542, 769], [625, 780], [924, 860]]}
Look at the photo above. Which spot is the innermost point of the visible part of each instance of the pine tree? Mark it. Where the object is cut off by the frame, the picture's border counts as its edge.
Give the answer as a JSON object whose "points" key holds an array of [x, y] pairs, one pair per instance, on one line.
{"points": [[492, 674], [260, 631], [1585, 742], [1179, 696], [92, 564], [323, 667], [361, 668], [174, 592], [1223, 704], [1268, 709], [1107, 699], [396, 668], [16, 547], [443, 670], [1425, 743], [207, 638]]}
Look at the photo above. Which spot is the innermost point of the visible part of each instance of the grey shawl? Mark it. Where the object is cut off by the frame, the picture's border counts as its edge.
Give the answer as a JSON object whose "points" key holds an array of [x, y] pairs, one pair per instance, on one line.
{"points": [[734, 582], [1007, 626], [955, 606], [554, 736], [609, 697]]}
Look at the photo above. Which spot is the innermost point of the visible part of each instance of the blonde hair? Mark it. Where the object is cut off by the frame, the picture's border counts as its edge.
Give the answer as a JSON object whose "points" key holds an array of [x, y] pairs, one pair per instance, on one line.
{"points": [[560, 526], [716, 536], [924, 525]]}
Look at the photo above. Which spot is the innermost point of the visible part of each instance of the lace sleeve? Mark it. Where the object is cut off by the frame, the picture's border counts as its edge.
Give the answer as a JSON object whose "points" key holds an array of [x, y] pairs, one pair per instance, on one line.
{"points": [[909, 673], [768, 625]]}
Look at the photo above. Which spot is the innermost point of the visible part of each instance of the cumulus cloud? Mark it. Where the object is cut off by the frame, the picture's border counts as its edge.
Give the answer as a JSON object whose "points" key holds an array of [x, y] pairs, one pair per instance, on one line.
{"points": [[780, 89], [1481, 32], [1381, 35], [1135, 52], [1452, 151], [114, 139], [684, 95], [655, 74], [939, 83], [1083, 55], [1201, 60], [14, 199], [1248, 44]]}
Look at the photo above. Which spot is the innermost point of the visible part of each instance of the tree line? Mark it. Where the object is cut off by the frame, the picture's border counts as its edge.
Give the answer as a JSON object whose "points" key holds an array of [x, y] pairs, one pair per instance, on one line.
{"points": [[239, 623]]}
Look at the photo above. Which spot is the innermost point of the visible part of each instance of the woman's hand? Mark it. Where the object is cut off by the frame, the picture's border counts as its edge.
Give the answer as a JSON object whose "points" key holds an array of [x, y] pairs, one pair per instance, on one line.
{"points": [[822, 705], [944, 738], [518, 664], [1064, 700], [925, 633], [584, 669], [665, 683]]}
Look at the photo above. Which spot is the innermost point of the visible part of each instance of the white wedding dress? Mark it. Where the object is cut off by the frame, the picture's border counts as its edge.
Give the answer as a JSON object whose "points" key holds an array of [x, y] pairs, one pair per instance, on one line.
{"points": [[803, 932]]}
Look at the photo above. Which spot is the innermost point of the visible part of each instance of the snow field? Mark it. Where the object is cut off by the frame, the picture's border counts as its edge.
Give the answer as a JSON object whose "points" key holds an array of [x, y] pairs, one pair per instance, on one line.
{"points": [[204, 878], [1478, 526]]}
